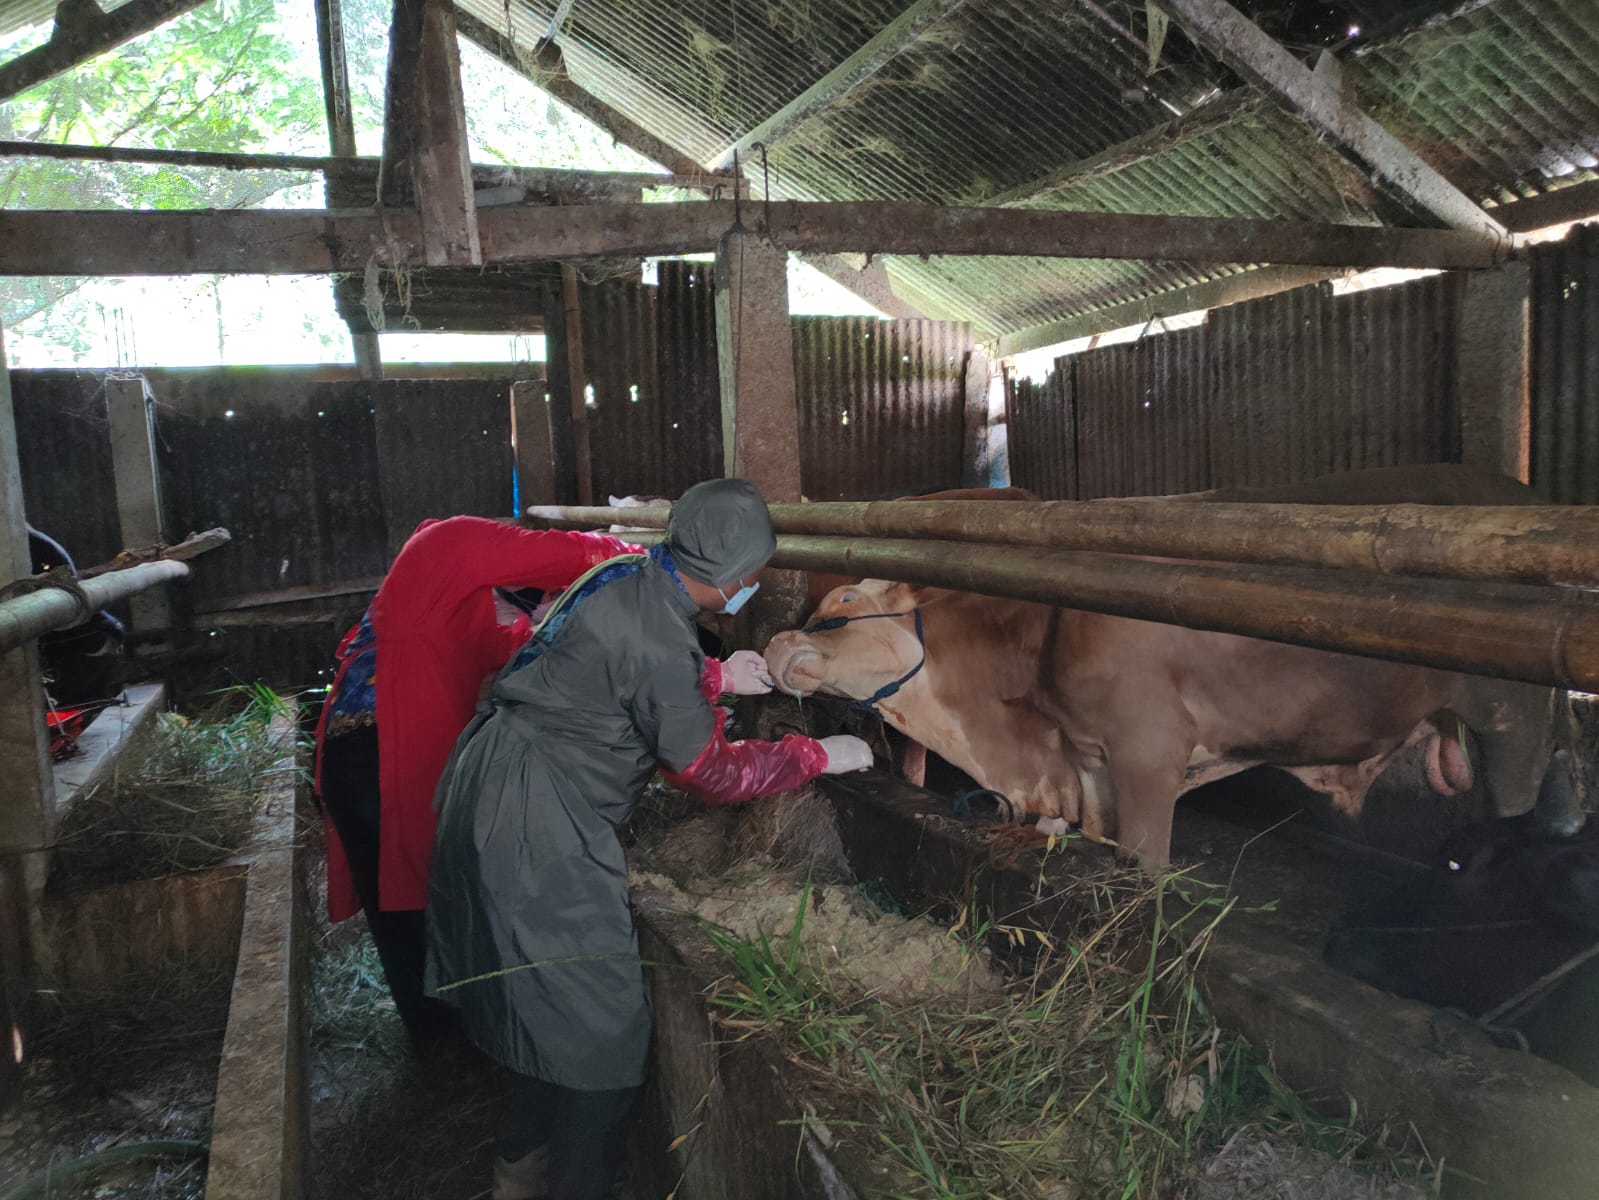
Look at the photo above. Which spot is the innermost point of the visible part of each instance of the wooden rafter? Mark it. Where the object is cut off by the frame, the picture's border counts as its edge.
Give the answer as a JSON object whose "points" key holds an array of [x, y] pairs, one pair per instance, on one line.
{"points": [[1324, 100], [1206, 118], [424, 132], [315, 241], [1216, 293], [83, 32], [547, 69], [870, 283], [887, 44], [335, 77]]}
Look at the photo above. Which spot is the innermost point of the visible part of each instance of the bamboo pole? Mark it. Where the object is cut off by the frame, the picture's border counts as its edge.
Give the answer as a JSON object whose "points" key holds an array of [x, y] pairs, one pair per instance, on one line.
{"points": [[28, 616], [1521, 544], [1539, 635]]}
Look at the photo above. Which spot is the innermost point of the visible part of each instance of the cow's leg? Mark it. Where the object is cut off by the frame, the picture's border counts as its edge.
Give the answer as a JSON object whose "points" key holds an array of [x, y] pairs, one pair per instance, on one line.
{"points": [[912, 756], [1147, 768], [1514, 727]]}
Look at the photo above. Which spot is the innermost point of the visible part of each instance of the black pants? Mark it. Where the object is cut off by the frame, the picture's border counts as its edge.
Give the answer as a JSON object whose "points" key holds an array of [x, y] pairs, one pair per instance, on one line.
{"points": [[582, 1129], [350, 796]]}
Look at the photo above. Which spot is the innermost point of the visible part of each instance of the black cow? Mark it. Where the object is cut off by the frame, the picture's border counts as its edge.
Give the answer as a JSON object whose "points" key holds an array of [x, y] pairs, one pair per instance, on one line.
{"points": [[1506, 905], [81, 664]]}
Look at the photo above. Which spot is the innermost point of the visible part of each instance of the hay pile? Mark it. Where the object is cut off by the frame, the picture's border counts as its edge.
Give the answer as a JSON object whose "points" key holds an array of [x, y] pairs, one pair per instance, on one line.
{"points": [[1080, 1064], [182, 796]]}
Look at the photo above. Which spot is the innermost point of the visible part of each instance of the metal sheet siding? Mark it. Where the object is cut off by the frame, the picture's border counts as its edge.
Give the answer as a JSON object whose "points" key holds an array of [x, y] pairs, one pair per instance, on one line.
{"points": [[687, 370], [64, 448], [297, 485], [1042, 438], [881, 405], [1285, 388], [1565, 368]]}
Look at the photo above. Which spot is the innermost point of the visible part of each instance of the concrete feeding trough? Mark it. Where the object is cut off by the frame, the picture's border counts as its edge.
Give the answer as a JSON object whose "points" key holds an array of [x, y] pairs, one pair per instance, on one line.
{"points": [[242, 919]]}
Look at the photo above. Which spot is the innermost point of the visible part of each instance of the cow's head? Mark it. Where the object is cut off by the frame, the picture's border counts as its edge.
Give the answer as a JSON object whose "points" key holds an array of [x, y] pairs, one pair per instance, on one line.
{"points": [[1504, 902], [861, 639]]}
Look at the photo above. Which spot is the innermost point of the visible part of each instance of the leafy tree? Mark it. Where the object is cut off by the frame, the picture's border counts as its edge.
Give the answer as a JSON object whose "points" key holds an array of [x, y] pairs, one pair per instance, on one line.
{"points": [[221, 77]]}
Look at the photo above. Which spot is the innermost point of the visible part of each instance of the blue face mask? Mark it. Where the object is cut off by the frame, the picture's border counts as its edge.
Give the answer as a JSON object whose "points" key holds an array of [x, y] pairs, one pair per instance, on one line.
{"points": [[738, 599]]}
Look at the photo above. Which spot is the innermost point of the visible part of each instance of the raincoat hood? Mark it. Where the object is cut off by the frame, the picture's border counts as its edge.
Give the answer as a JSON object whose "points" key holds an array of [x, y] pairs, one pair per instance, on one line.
{"points": [[720, 531]]}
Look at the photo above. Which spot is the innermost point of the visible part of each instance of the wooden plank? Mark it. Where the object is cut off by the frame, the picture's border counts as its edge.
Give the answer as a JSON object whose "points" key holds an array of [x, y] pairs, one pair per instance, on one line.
{"points": [[443, 164], [1217, 293], [128, 402], [871, 283], [1579, 202], [533, 440], [1207, 118], [276, 242], [81, 40], [887, 44], [577, 384], [396, 178], [547, 69], [335, 77], [1326, 102]]}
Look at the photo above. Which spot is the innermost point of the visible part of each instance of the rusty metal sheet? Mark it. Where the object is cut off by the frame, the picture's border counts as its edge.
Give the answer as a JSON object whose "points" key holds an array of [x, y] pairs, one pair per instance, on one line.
{"points": [[1041, 421], [882, 405], [443, 447], [295, 483], [1565, 368], [687, 371], [64, 448], [1284, 388]]}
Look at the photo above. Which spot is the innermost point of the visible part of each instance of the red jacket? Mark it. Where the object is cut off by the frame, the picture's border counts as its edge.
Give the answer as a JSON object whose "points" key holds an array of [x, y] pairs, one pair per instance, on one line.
{"points": [[437, 638]]}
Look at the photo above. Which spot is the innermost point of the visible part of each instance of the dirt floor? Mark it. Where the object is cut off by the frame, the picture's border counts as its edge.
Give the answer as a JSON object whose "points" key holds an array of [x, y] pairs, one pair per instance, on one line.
{"points": [[390, 1122], [111, 1071]]}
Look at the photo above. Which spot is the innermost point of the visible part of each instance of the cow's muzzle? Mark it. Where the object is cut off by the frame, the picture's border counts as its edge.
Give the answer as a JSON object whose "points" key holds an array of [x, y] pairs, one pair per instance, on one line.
{"points": [[798, 668]]}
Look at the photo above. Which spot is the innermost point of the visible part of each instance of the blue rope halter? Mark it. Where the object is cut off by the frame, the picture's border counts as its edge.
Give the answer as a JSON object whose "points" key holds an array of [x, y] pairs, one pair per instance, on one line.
{"points": [[888, 689]]}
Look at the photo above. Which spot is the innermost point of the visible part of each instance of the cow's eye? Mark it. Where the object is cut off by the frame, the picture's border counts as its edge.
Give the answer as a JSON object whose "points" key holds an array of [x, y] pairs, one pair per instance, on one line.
{"points": [[848, 598]]}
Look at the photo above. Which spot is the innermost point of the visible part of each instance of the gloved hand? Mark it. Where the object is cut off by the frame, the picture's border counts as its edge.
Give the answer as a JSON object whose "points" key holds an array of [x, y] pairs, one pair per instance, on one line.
{"points": [[845, 753], [746, 674]]}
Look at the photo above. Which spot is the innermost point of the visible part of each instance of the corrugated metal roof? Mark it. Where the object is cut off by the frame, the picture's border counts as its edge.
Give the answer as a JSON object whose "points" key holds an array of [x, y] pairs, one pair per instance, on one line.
{"points": [[1502, 96]]}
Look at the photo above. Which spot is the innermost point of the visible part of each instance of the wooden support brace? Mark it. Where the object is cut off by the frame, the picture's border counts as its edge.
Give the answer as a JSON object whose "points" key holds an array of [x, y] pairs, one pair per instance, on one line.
{"points": [[128, 403], [81, 35]]}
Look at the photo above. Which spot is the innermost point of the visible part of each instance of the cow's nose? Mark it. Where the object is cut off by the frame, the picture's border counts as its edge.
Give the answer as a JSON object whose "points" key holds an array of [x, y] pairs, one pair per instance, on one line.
{"points": [[795, 665]]}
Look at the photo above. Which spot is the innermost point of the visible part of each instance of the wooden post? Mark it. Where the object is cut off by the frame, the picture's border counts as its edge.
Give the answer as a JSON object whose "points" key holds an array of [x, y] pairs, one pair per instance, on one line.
{"points": [[760, 408], [1493, 367], [974, 441], [128, 401], [577, 383], [27, 801], [533, 438]]}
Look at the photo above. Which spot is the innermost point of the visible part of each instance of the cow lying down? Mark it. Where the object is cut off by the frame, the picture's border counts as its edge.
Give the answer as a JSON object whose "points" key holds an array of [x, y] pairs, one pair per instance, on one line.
{"points": [[1504, 928], [1102, 722]]}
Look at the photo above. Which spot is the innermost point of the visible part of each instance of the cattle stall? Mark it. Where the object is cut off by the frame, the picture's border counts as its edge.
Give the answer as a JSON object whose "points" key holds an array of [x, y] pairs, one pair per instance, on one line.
{"points": [[1260, 243]]}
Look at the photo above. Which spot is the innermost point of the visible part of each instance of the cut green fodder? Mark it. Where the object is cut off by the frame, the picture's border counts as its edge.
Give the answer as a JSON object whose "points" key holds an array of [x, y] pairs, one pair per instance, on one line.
{"points": [[1097, 1073], [182, 796]]}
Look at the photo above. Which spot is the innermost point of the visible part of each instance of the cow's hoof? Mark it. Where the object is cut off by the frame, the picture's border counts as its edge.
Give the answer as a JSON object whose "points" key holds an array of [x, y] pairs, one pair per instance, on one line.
{"points": [[984, 805]]}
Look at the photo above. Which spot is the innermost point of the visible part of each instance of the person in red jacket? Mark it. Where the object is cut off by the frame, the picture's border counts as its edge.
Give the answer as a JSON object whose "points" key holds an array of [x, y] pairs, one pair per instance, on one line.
{"points": [[407, 684]]}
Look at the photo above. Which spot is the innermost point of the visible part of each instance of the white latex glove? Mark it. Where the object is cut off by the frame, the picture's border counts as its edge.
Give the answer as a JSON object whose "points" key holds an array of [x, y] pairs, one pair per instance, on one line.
{"points": [[746, 674], [846, 753]]}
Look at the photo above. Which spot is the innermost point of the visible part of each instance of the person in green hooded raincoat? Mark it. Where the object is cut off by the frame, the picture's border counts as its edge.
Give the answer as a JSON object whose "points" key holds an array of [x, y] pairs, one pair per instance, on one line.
{"points": [[530, 934]]}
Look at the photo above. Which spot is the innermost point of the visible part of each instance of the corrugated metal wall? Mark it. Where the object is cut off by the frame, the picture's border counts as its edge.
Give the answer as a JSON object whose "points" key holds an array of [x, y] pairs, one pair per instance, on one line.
{"points": [[1043, 458], [64, 445], [881, 402], [1565, 368], [1284, 388], [881, 405], [686, 364]]}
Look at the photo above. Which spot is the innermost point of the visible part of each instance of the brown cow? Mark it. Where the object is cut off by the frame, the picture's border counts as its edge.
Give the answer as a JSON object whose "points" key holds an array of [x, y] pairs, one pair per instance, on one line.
{"points": [[1105, 721]]}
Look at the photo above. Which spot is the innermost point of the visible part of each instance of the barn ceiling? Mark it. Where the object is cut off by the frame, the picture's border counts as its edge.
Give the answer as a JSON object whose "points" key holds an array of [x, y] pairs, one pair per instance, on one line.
{"points": [[1054, 106]]}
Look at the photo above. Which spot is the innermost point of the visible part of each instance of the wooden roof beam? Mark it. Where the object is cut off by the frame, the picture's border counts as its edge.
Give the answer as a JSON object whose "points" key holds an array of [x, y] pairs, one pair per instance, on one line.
{"points": [[546, 68], [265, 241], [1216, 293], [887, 44], [82, 32], [1325, 101], [424, 132]]}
